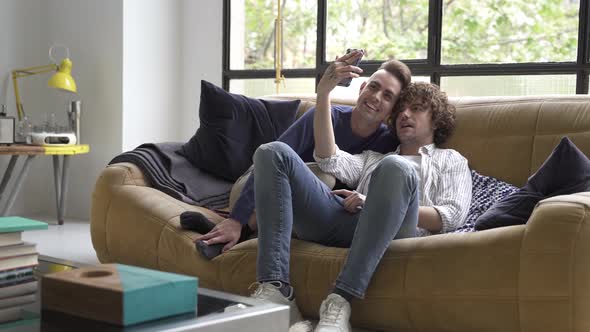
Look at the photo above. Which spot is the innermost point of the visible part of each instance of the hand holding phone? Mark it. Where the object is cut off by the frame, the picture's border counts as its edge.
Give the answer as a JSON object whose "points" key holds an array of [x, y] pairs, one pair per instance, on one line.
{"points": [[346, 81]]}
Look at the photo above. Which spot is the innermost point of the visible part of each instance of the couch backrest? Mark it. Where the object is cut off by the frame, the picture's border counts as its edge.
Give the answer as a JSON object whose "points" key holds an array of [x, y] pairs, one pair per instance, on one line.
{"points": [[507, 137]]}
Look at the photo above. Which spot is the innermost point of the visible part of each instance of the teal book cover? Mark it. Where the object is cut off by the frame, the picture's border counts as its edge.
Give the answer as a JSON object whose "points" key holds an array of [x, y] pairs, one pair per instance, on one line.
{"points": [[151, 294], [28, 321], [19, 224]]}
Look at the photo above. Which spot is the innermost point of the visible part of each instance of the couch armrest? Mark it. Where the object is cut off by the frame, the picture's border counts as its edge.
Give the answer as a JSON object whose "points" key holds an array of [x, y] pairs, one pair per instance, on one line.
{"points": [[132, 223], [111, 178], [125, 173], [554, 280]]}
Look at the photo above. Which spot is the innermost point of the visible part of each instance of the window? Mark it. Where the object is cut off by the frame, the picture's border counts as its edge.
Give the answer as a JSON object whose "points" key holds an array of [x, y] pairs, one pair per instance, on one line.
{"points": [[383, 28], [468, 47], [253, 34], [258, 87], [355, 85], [458, 86], [486, 31]]}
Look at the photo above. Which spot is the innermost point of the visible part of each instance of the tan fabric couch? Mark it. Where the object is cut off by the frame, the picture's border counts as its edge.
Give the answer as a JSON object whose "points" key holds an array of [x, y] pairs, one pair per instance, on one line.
{"points": [[534, 277]]}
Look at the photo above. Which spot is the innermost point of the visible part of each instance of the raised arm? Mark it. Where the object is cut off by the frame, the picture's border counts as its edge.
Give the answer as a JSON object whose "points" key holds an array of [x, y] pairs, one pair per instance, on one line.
{"points": [[323, 131]]}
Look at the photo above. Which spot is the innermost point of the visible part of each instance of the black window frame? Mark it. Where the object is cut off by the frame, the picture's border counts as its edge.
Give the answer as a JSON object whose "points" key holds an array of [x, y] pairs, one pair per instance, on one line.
{"points": [[431, 66]]}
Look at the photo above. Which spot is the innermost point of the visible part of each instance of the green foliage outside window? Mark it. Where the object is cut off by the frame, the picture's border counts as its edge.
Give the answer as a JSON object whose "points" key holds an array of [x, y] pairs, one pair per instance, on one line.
{"points": [[504, 31], [299, 33], [474, 31], [386, 29]]}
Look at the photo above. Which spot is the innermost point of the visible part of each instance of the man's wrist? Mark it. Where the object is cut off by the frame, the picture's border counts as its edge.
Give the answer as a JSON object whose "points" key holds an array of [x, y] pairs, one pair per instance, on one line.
{"points": [[234, 220], [323, 93], [238, 218]]}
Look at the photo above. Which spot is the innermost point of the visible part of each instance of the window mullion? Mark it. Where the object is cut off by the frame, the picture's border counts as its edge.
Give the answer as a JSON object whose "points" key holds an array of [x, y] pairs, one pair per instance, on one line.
{"points": [[582, 82], [321, 39], [226, 44], [584, 32], [435, 14], [583, 46]]}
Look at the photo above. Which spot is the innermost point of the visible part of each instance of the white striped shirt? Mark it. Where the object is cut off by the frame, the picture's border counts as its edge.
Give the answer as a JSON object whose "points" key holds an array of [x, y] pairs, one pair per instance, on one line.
{"points": [[445, 179]]}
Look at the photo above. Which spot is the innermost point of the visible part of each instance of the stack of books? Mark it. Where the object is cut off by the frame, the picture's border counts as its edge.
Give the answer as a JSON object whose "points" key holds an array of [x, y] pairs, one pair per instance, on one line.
{"points": [[18, 259]]}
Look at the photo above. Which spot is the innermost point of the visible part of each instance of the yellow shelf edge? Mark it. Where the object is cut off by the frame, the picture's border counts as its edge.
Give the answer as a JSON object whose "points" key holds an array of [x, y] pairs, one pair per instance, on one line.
{"points": [[67, 150]]}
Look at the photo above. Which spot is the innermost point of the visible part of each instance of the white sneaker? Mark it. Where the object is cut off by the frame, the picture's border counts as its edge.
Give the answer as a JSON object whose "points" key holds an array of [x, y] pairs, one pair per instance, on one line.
{"points": [[268, 292], [334, 315]]}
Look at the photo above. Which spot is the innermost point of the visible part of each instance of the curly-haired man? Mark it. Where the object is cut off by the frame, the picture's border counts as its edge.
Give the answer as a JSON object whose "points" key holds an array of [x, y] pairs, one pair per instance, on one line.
{"points": [[416, 190]]}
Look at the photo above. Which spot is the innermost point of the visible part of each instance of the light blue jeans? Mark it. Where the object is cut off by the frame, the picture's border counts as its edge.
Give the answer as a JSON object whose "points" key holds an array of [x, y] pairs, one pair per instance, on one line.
{"points": [[290, 198]]}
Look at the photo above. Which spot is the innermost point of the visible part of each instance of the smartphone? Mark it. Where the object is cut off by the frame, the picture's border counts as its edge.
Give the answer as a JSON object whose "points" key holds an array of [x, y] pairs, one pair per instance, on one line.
{"points": [[346, 81]]}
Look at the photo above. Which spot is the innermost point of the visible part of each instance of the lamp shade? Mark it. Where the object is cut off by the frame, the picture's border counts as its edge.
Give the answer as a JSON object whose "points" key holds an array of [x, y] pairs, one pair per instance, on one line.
{"points": [[63, 79]]}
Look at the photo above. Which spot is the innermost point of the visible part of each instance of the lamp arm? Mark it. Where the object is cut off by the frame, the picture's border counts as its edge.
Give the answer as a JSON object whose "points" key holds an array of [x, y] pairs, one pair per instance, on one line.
{"points": [[34, 70], [19, 105], [17, 73]]}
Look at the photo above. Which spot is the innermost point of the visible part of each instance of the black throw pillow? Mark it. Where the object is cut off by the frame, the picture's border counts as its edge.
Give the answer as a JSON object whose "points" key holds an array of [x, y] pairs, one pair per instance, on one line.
{"points": [[232, 127], [566, 171]]}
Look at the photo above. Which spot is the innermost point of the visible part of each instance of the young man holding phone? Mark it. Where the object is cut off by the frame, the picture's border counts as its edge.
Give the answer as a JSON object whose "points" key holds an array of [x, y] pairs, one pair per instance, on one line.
{"points": [[356, 129]]}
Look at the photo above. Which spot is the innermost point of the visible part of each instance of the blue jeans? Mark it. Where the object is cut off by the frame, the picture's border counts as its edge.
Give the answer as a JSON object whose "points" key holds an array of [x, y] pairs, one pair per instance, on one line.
{"points": [[290, 198]]}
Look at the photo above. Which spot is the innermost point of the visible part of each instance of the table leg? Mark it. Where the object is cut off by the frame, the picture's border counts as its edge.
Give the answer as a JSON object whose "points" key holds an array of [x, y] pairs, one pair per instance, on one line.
{"points": [[19, 181], [64, 189], [60, 174], [57, 182], [8, 174]]}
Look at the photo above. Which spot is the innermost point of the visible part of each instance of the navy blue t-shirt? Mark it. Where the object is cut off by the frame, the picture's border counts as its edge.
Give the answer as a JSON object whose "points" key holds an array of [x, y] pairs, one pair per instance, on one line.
{"points": [[299, 136]]}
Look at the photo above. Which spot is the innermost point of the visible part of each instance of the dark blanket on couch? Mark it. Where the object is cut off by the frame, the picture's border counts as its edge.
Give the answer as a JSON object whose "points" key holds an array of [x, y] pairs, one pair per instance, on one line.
{"points": [[173, 174]]}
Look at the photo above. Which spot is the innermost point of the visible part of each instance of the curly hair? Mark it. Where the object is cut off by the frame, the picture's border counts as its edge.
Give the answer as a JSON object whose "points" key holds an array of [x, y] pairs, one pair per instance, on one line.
{"points": [[429, 95]]}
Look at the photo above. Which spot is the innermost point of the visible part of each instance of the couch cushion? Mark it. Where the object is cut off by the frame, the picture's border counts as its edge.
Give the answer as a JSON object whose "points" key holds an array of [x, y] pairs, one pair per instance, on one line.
{"points": [[566, 171], [232, 127], [509, 137]]}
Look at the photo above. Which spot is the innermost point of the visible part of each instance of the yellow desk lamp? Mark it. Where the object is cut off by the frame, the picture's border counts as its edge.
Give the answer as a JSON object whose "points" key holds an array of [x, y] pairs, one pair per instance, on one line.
{"points": [[62, 79]]}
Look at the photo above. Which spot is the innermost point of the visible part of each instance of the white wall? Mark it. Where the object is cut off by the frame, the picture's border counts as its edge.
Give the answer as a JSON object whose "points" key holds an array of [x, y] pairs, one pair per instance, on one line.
{"points": [[152, 55], [93, 32], [202, 37], [137, 64], [22, 44]]}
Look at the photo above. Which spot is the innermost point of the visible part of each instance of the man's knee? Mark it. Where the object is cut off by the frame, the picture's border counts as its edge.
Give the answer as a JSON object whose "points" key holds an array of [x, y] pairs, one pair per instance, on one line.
{"points": [[395, 166], [395, 163], [271, 150]]}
